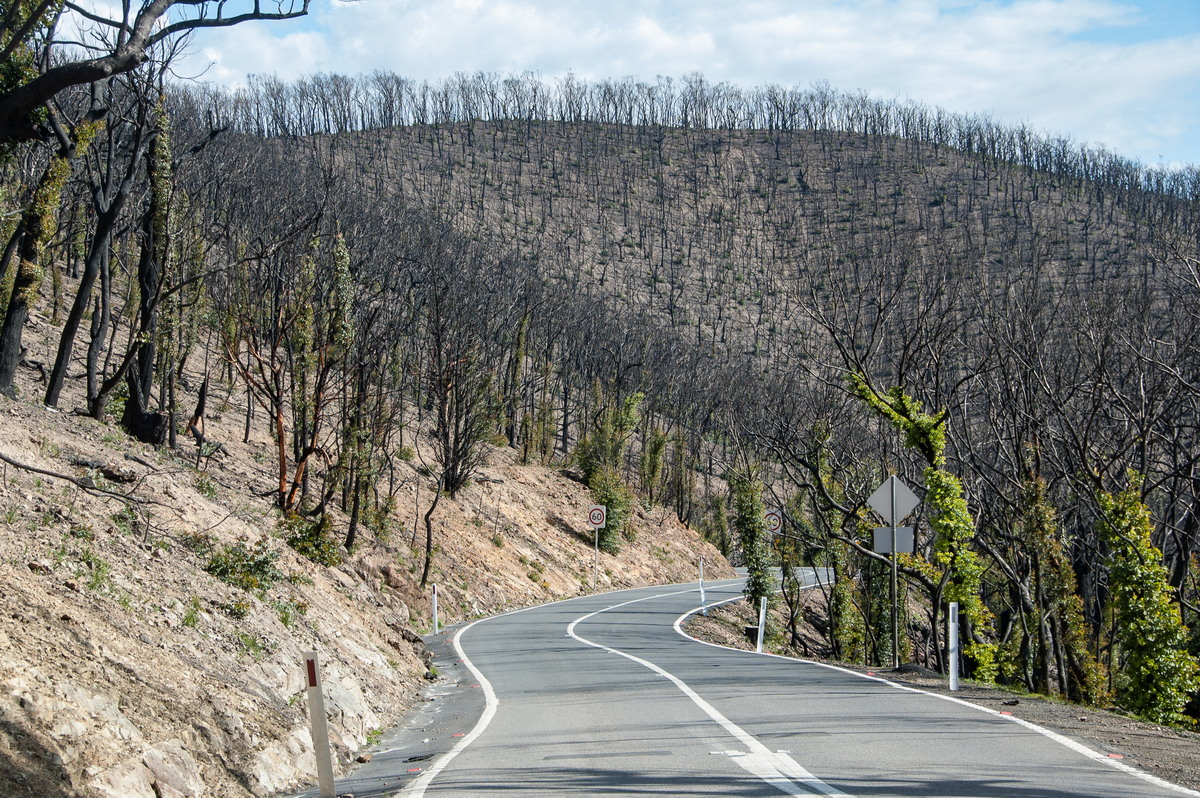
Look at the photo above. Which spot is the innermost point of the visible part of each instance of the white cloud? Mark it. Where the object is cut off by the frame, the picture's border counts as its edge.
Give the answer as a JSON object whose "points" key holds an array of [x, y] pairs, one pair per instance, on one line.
{"points": [[1059, 64], [253, 50]]}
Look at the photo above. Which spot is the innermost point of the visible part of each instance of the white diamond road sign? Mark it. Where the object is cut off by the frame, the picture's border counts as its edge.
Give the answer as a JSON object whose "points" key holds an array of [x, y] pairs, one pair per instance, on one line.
{"points": [[881, 500]]}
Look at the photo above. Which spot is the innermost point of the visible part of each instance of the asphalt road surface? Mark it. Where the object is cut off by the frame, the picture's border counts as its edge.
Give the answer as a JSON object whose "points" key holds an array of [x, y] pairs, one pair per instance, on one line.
{"points": [[604, 696]]}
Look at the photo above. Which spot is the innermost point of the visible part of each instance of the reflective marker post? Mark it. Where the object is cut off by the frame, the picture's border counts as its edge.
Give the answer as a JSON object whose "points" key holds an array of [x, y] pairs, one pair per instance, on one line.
{"points": [[316, 719], [435, 611], [762, 622], [952, 645]]}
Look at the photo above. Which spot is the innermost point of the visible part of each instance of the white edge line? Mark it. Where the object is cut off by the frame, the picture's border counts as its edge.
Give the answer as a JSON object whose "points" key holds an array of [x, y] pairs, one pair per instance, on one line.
{"points": [[1074, 745], [417, 787]]}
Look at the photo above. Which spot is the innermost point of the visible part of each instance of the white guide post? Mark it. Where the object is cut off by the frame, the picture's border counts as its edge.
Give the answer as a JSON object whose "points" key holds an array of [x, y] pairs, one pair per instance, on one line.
{"points": [[952, 645], [762, 623], [316, 718], [435, 610], [703, 602]]}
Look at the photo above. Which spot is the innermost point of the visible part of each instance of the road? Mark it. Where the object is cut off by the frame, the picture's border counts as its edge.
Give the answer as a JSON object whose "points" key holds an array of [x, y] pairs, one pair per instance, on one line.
{"points": [[603, 695]]}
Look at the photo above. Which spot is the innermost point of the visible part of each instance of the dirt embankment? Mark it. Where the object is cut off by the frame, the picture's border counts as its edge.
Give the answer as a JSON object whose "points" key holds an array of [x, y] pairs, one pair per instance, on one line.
{"points": [[129, 670]]}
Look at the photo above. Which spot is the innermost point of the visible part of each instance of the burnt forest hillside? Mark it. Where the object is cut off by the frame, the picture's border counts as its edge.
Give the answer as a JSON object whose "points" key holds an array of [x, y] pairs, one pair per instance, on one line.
{"points": [[276, 360], [826, 287]]}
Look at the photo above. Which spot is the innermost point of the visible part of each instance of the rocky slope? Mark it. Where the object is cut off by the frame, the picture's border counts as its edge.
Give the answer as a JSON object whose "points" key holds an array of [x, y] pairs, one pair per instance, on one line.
{"points": [[127, 669]]}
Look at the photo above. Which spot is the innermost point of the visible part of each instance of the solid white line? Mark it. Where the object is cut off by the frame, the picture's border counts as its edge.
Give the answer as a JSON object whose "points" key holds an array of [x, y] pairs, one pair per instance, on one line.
{"points": [[777, 769], [1074, 745], [417, 787]]}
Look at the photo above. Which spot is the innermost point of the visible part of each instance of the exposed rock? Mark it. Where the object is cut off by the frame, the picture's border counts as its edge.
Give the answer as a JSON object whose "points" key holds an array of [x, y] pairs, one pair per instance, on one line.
{"points": [[175, 772], [129, 779]]}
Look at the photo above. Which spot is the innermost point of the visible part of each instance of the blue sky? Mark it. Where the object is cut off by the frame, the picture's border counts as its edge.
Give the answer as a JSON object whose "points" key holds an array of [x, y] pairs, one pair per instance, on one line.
{"points": [[1118, 74]]}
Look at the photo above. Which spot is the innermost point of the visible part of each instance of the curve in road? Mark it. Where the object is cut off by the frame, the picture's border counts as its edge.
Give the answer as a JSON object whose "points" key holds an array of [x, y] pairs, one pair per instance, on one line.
{"points": [[597, 696]]}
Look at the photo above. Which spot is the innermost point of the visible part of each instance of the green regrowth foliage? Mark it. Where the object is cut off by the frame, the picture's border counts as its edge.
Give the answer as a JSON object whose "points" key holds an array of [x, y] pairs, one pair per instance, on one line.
{"points": [[848, 627], [650, 465], [1157, 674], [250, 568], [1056, 578], [313, 538], [611, 491], [41, 216], [343, 298], [601, 457], [41, 222], [603, 446], [161, 174], [953, 529], [746, 489], [922, 431], [951, 521], [304, 334]]}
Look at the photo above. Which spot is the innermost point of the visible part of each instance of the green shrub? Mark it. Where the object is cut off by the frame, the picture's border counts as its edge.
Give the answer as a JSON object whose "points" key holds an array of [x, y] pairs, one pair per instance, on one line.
{"points": [[378, 517], [97, 570], [1158, 675], [205, 486], [313, 538], [238, 609], [289, 609], [609, 490], [125, 520], [191, 615], [254, 646], [248, 568], [198, 542]]}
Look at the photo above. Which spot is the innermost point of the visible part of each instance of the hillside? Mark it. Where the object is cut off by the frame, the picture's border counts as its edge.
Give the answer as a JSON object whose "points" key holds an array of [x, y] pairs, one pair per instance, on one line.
{"points": [[727, 237], [132, 671], [399, 296]]}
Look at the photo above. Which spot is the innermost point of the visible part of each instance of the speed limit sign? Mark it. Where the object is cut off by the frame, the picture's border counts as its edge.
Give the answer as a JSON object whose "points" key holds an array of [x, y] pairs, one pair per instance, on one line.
{"points": [[774, 521], [597, 516]]}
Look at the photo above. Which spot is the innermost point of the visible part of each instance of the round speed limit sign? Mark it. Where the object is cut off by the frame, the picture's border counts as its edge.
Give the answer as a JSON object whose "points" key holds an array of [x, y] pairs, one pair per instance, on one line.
{"points": [[597, 516], [774, 520]]}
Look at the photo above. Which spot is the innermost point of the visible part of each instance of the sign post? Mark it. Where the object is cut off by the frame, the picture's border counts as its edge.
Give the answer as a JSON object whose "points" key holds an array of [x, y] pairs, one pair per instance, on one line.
{"points": [[597, 520], [316, 719], [894, 501]]}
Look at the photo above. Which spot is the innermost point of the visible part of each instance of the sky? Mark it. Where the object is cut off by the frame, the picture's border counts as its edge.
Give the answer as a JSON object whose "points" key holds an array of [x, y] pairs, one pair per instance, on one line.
{"points": [[1123, 75]]}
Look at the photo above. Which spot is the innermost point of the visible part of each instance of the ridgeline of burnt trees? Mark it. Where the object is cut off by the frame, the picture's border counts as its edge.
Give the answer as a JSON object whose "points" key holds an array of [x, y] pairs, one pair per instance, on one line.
{"points": [[791, 292]]}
